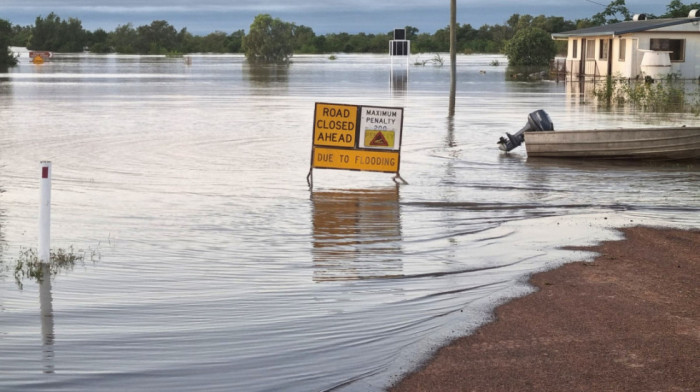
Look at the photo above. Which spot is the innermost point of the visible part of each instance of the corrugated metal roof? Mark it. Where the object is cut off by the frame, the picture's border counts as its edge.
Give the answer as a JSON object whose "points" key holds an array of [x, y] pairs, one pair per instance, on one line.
{"points": [[624, 27]]}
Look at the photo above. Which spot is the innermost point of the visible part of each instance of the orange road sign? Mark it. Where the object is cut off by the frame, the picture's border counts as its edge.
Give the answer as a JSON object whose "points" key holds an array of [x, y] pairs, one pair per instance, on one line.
{"points": [[352, 137], [365, 160], [335, 125]]}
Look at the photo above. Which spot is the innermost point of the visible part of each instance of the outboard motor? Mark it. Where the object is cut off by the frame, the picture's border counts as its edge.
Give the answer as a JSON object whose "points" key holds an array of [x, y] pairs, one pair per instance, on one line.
{"points": [[536, 121]]}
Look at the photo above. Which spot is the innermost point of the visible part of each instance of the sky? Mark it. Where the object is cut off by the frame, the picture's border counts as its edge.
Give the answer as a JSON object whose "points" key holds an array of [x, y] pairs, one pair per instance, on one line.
{"points": [[201, 17]]}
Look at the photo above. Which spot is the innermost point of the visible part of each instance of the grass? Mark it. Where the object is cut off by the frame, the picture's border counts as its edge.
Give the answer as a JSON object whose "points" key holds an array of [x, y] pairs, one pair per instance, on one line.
{"points": [[28, 265], [436, 60], [668, 95]]}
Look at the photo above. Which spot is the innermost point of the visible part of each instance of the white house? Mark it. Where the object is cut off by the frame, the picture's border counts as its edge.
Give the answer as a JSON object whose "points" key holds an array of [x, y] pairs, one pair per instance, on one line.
{"points": [[619, 49]]}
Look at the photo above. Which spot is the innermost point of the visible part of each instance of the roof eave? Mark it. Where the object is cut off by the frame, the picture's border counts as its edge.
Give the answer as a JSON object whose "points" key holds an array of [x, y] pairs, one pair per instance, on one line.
{"points": [[599, 34], [624, 29]]}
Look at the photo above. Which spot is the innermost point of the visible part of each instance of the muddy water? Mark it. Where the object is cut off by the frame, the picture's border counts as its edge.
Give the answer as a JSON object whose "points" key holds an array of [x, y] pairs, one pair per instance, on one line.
{"points": [[218, 268]]}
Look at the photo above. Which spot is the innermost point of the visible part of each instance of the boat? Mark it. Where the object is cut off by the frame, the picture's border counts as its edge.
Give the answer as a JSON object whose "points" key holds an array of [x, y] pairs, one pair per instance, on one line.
{"points": [[663, 143]]}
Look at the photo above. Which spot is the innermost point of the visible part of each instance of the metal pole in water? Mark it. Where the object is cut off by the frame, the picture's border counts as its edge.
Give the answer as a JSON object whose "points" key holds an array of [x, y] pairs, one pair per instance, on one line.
{"points": [[45, 213]]}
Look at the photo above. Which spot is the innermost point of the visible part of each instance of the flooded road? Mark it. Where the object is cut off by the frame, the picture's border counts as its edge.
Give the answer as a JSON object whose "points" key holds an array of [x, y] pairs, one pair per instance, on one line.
{"points": [[216, 267]]}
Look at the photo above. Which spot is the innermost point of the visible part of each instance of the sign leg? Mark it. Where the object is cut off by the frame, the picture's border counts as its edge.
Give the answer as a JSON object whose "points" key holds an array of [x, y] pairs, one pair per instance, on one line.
{"points": [[398, 178], [310, 178]]}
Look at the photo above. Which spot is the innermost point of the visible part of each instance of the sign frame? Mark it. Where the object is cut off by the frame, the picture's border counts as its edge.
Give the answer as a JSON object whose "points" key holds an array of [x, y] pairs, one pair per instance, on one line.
{"points": [[357, 137]]}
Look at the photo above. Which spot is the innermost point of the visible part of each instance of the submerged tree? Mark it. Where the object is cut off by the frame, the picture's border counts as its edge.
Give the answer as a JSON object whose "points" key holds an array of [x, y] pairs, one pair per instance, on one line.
{"points": [[269, 40], [530, 46]]}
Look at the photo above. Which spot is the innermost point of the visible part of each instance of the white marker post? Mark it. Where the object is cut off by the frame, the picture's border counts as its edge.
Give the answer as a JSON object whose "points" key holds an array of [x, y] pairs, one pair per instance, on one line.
{"points": [[45, 213]]}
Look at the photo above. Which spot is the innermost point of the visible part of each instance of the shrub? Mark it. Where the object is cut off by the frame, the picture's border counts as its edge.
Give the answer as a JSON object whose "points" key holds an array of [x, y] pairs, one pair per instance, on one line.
{"points": [[669, 95], [530, 46]]}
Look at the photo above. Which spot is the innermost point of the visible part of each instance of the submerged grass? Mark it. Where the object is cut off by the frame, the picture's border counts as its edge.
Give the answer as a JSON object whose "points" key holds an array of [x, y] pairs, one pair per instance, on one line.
{"points": [[668, 95], [28, 265], [436, 60]]}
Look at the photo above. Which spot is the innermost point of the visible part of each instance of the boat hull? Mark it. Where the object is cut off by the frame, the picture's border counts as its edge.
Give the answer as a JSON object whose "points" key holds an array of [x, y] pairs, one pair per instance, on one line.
{"points": [[644, 143]]}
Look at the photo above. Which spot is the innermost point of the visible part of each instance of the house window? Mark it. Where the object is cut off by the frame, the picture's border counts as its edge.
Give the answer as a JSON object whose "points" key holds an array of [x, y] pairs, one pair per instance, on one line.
{"points": [[604, 46], [590, 49], [574, 49], [623, 50], [675, 46]]}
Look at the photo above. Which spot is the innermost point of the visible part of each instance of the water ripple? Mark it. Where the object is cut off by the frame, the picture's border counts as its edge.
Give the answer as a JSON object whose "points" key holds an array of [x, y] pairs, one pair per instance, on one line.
{"points": [[220, 269]]}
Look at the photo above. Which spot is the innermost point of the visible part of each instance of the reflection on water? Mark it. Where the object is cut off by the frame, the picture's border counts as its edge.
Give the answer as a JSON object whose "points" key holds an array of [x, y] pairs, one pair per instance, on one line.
{"points": [[450, 138], [399, 79], [356, 234], [46, 311], [265, 74]]}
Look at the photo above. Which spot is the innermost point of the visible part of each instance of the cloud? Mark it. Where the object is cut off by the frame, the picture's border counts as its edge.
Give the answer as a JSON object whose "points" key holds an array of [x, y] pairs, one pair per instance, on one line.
{"points": [[370, 16], [218, 5]]}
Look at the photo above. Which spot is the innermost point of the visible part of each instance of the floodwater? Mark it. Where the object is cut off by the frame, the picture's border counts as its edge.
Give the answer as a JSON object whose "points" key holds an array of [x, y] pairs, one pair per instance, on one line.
{"points": [[209, 262]]}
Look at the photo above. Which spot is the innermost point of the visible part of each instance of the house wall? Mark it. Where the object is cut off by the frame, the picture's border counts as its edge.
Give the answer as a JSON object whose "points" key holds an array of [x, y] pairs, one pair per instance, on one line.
{"points": [[630, 67], [689, 68], [573, 59], [595, 65]]}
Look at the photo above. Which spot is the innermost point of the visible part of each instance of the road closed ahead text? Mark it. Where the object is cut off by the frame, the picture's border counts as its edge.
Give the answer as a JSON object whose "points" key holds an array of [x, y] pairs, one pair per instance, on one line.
{"points": [[335, 125]]}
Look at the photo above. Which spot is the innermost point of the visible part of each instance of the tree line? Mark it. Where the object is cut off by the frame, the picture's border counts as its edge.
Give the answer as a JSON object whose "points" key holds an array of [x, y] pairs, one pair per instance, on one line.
{"points": [[53, 33]]}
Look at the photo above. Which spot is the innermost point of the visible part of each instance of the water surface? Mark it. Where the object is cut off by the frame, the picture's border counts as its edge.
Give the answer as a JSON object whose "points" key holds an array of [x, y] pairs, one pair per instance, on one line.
{"points": [[219, 268]]}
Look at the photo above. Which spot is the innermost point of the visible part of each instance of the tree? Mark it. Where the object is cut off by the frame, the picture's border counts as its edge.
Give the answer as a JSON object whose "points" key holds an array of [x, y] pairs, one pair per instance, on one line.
{"points": [[269, 41], [441, 40], [58, 35], [123, 38], [45, 34], [411, 32], [424, 42], [611, 12], [97, 41], [6, 57], [530, 46], [21, 35], [186, 42], [74, 37], [676, 9], [235, 41], [157, 38], [304, 39]]}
